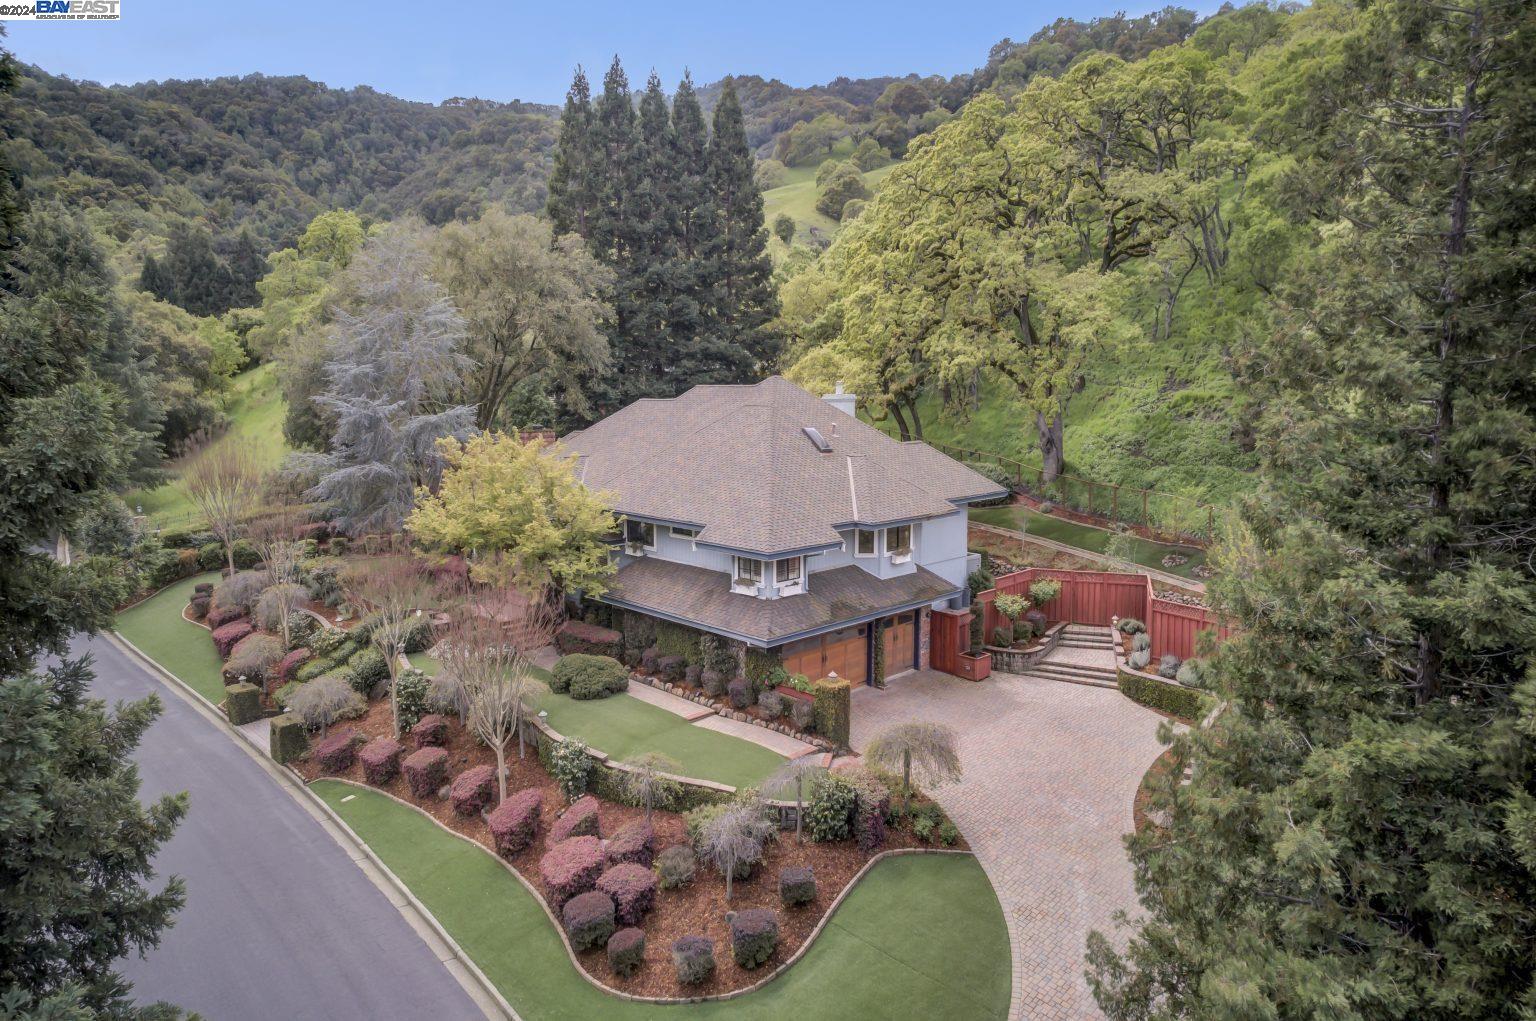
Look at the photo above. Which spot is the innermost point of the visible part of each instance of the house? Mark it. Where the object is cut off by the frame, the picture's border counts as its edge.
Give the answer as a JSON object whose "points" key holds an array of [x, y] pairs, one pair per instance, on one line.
{"points": [[777, 520]]}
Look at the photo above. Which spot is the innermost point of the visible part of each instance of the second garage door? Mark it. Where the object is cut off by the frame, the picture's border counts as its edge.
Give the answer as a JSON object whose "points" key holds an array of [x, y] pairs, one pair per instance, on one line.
{"points": [[844, 652]]}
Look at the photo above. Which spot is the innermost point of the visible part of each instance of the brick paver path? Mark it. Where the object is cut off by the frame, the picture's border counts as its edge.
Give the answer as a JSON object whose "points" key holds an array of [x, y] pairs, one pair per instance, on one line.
{"points": [[1051, 771]]}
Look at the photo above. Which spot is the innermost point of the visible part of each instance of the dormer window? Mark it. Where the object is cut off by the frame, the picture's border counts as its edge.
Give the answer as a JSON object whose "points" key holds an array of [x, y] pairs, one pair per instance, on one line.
{"points": [[639, 537], [747, 575], [686, 534], [898, 543], [864, 542], [789, 575]]}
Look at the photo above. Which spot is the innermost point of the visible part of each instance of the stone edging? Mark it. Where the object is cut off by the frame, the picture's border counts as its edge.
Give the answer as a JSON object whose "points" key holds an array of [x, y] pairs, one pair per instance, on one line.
{"points": [[819, 743], [1018, 660], [1122, 665], [294, 785], [565, 940]]}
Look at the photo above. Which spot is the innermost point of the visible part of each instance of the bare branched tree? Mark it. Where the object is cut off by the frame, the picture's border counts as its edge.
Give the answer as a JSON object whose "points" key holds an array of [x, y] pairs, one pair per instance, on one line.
{"points": [[274, 534], [926, 749], [224, 482], [735, 837], [494, 686], [396, 589], [796, 772], [646, 780]]}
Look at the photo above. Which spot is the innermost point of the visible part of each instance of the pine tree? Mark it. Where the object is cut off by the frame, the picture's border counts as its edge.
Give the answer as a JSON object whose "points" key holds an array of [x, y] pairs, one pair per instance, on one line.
{"points": [[572, 182], [152, 278], [1359, 837], [740, 273], [655, 272], [247, 264], [696, 219]]}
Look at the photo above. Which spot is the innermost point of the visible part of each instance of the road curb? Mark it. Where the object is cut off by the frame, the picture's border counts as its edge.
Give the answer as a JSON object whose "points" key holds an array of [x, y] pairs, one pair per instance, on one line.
{"points": [[458, 963]]}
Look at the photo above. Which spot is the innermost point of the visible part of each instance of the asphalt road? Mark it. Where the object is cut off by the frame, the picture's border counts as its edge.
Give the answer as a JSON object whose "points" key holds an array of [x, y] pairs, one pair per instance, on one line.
{"points": [[279, 922]]}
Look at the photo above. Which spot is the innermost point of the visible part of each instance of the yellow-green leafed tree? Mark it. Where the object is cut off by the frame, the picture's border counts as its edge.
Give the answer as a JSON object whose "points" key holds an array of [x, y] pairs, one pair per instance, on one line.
{"points": [[520, 506]]}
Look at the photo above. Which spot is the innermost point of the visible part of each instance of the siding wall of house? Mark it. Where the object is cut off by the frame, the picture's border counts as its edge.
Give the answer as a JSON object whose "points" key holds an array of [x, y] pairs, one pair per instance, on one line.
{"points": [[940, 545]]}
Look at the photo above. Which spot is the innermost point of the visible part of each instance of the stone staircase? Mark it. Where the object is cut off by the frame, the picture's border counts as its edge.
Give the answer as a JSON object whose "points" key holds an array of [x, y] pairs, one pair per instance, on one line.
{"points": [[1084, 655]]}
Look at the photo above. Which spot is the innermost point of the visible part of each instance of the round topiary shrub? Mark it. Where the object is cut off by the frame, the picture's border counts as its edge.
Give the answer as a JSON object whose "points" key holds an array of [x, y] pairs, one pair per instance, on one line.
{"points": [[740, 692], [1168, 666], [288, 666], [369, 668], [691, 675], [694, 959], [797, 885], [580, 820], [626, 951], [588, 677], [426, 770], [198, 607], [514, 824], [473, 789], [754, 937], [675, 867], [634, 842], [571, 867], [670, 668], [381, 760], [225, 638], [633, 889], [713, 683], [588, 919], [648, 660]]}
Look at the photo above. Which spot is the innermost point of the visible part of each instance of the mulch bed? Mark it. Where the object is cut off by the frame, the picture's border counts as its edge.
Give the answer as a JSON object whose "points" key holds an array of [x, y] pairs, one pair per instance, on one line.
{"points": [[697, 909], [1009, 554]]}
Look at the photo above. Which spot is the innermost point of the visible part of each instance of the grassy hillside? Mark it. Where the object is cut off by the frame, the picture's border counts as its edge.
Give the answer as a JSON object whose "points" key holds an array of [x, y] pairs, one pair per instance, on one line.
{"points": [[797, 196], [256, 411]]}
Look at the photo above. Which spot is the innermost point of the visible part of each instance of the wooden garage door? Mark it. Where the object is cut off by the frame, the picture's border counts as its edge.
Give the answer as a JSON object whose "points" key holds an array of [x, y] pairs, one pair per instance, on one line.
{"points": [[842, 652], [898, 643]]}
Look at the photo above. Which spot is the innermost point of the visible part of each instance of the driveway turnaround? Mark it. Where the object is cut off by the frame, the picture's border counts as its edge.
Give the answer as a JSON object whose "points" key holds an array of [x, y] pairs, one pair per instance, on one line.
{"points": [[1051, 772], [279, 921]]}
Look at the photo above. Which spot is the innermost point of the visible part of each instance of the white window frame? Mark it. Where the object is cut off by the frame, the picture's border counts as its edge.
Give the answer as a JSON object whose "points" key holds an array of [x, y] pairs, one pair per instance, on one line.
{"points": [[898, 555], [792, 585], [748, 587], [688, 535], [874, 533], [632, 545]]}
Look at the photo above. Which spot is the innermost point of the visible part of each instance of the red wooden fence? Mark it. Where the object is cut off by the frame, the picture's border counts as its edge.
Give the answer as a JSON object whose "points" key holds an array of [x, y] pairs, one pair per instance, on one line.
{"points": [[1096, 597], [949, 636]]}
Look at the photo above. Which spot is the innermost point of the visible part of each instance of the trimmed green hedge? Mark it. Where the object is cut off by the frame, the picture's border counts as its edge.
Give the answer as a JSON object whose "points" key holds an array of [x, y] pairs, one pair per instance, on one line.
{"points": [[677, 640], [1169, 698], [832, 708]]}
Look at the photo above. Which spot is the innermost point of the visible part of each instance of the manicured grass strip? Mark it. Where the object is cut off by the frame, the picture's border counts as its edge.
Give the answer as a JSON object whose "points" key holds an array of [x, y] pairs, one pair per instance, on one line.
{"points": [[624, 726], [158, 629], [919, 937], [1087, 537]]}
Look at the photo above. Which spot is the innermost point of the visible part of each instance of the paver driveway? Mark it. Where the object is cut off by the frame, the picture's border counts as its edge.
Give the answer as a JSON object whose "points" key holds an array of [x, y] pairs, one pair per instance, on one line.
{"points": [[1051, 771]]}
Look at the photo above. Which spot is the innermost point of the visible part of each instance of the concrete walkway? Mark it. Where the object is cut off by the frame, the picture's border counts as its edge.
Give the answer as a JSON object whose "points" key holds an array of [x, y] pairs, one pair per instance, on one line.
{"points": [[1051, 771], [789, 747], [674, 704]]}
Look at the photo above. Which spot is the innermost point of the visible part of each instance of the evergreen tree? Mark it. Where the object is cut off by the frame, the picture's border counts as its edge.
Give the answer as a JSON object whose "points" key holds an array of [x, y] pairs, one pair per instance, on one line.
{"points": [[573, 181], [739, 270], [76, 848], [1359, 837], [656, 272], [696, 219], [247, 264], [152, 277], [10, 201]]}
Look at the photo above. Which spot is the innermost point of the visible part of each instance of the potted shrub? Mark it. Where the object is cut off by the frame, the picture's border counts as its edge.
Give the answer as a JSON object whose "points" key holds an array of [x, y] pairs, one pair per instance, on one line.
{"points": [[797, 686], [1011, 608], [976, 664]]}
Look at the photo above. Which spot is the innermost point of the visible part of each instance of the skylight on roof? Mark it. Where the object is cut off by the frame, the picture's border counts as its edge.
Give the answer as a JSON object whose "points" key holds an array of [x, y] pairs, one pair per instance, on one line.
{"points": [[816, 438]]}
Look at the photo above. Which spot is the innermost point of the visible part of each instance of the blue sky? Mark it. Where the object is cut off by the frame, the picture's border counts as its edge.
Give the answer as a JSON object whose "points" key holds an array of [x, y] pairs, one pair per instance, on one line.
{"points": [[510, 49]]}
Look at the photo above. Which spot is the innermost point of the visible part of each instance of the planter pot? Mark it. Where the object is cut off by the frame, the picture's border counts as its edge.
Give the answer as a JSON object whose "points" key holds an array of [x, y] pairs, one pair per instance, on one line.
{"points": [[788, 692], [974, 668]]}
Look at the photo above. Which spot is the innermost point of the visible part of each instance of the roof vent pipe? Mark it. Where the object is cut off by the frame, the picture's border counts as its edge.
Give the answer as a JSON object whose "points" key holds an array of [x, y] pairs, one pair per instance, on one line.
{"points": [[845, 402]]}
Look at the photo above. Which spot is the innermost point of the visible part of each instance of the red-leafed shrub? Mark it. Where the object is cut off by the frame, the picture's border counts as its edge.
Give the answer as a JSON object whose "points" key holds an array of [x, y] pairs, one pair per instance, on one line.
{"points": [[198, 607], [426, 770], [218, 616], [473, 789], [754, 937], [381, 760], [431, 731], [694, 959], [670, 668], [797, 885], [515, 822], [578, 636], [626, 951], [571, 867], [633, 889], [203, 588], [334, 753], [291, 662], [588, 919], [634, 842], [580, 820], [226, 637]]}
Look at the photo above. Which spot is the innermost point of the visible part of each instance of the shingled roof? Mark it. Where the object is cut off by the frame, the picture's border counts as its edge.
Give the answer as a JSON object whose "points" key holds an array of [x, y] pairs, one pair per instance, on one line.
{"points": [[703, 598], [737, 463]]}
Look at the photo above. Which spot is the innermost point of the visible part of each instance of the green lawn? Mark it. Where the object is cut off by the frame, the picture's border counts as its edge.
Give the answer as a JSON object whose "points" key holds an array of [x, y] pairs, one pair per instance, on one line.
{"points": [[1086, 537], [158, 629], [256, 412], [798, 199], [920, 937], [624, 726]]}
